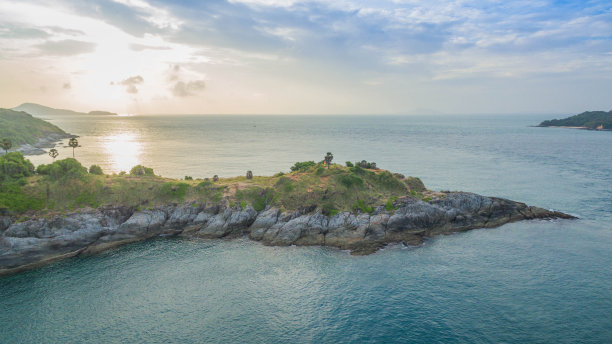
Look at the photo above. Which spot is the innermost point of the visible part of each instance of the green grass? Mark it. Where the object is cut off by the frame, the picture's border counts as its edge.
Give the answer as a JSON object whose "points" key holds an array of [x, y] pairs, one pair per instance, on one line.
{"points": [[332, 190]]}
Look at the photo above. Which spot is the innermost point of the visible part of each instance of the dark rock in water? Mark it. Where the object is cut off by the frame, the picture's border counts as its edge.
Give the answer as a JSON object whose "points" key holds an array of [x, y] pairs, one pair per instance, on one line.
{"points": [[34, 242]]}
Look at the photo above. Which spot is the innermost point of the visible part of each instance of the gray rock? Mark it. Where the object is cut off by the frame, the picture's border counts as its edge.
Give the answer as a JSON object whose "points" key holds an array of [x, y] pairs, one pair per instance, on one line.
{"points": [[38, 241]]}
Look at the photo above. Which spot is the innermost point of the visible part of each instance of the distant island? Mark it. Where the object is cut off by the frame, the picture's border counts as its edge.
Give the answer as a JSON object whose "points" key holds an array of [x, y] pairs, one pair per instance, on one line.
{"points": [[28, 134], [45, 111], [63, 209], [593, 120]]}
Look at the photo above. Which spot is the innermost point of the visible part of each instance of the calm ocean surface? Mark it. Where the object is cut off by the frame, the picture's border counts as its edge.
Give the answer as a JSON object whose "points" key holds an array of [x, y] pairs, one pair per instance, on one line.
{"points": [[526, 282]]}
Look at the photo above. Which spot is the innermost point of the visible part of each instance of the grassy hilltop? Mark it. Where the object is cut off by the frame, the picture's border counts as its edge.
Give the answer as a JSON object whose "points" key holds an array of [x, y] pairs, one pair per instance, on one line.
{"points": [[21, 127], [66, 186]]}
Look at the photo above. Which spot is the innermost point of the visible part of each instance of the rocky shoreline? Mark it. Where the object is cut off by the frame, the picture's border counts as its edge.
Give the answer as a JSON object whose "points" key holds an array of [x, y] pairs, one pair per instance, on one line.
{"points": [[35, 242], [48, 141]]}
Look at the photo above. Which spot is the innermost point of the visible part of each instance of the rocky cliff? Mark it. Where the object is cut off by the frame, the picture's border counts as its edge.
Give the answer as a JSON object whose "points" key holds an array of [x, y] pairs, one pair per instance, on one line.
{"points": [[34, 242]]}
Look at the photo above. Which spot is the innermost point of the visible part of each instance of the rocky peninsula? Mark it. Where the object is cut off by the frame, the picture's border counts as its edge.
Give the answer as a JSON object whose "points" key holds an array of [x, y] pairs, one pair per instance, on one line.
{"points": [[340, 207]]}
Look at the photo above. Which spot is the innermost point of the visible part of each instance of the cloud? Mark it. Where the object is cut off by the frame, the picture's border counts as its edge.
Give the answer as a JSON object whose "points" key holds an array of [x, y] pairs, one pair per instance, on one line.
{"points": [[130, 83], [21, 32], [66, 47], [141, 47], [187, 89]]}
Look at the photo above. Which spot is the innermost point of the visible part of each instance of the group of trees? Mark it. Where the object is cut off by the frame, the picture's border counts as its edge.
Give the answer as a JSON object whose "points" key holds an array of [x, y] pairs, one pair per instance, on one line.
{"points": [[7, 144]]}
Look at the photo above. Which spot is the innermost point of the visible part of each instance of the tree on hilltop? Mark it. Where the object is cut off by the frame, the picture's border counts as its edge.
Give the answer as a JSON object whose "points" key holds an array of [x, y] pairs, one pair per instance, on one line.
{"points": [[328, 159]]}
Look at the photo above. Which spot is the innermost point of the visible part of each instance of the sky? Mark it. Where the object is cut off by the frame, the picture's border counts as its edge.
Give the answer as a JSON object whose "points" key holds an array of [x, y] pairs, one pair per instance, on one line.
{"points": [[307, 56]]}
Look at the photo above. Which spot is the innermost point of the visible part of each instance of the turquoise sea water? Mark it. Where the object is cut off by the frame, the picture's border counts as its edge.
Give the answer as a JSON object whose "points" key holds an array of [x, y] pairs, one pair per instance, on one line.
{"points": [[532, 281]]}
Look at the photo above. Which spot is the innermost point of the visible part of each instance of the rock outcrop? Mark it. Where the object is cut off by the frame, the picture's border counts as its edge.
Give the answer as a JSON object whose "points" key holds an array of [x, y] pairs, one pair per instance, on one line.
{"points": [[34, 242]]}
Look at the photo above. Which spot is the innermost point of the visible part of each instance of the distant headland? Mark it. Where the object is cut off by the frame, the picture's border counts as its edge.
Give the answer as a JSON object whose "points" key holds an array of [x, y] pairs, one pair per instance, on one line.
{"points": [[45, 111], [592, 120]]}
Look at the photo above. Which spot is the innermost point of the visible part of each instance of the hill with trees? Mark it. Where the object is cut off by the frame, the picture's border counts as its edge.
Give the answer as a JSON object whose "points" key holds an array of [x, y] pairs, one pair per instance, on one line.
{"points": [[22, 128], [597, 120]]}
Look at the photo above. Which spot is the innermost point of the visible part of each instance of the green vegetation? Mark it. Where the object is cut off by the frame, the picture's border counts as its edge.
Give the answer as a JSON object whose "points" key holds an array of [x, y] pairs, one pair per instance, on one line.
{"points": [[62, 169], [588, 119], [302, 166], [95, 169], [65, 185], [20, 127], [140, 170]]}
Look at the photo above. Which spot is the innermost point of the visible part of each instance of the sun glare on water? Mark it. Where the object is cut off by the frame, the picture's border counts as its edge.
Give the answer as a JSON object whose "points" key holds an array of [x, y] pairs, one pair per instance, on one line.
{"points": [[123, 151]]}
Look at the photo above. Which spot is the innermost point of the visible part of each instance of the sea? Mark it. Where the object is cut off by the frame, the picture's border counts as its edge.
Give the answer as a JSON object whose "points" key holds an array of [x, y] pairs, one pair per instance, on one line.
{"points": [[541, 281]]}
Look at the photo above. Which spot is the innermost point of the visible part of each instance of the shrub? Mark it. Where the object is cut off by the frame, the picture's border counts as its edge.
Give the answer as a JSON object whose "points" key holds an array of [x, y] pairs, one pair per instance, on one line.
{"points": [[95, 169], [285, 184], [389, 206], [249, 174], [328, 209], [349, 180], [364, 208], [349, 164], [188, 178], [415, 184], [173, 190], [302, 166], [66, 168], [15, 165], [12, 197], [365, 164], [357, 170], [320, 171], [388, 181], [140, 170]]}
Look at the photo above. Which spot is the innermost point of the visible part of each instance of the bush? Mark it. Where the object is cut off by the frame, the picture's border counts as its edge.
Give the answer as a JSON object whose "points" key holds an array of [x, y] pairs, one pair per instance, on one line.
{"points": [[365, 164], [176, 191], [188, 178], [389, 182], [95, 169], [302, 166], [350, 180], [361, 206], [389, 206], [66, 168], [285, 184], [349, 164], [415, 184], [140, 170], [15, 165], [12, 197]]}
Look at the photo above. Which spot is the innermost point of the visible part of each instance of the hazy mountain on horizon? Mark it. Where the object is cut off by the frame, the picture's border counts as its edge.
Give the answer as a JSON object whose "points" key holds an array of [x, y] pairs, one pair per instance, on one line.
{"points": [[42, 111]]}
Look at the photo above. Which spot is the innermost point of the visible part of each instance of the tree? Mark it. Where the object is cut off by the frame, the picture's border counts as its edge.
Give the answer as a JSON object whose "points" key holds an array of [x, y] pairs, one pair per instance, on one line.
{"points": [[215, 178], [6, 145], [53, 153], [249, 174], [328, 159], [74, 143]]}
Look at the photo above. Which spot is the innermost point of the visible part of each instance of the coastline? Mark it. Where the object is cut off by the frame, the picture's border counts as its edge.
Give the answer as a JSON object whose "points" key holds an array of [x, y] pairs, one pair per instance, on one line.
{"points": [[48, 141], [39, 241], [570, 127]]}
